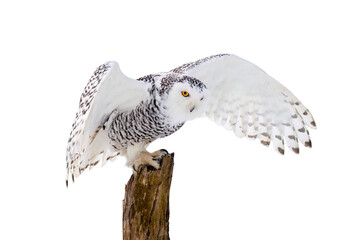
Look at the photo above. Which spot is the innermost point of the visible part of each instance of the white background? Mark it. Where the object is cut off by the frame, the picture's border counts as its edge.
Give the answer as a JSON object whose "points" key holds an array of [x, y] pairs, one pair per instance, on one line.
{"points": [[223, 187]]}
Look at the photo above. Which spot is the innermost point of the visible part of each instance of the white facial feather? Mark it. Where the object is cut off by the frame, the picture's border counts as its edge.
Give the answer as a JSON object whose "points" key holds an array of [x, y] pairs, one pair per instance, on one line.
{"points": [[180, 108]]}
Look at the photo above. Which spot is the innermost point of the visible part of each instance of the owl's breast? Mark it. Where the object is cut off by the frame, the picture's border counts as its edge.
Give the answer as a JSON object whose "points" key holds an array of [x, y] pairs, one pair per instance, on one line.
{"points": [[144, 123]]}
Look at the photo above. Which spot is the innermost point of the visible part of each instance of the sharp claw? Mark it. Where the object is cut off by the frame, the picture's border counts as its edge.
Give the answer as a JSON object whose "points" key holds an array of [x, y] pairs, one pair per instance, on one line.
{"points": [[159, 158], [164, 150]]}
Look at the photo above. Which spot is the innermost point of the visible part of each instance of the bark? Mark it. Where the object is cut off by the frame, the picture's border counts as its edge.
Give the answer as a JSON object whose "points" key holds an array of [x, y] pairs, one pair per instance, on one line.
{"points": [[146, 203]]}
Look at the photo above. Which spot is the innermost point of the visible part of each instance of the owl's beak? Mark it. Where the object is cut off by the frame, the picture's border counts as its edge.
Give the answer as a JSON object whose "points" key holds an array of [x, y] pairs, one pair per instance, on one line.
{"points": [[192, 109]]}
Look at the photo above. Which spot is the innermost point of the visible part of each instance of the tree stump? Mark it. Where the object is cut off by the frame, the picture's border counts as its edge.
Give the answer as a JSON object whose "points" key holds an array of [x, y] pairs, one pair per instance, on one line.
{"points": [[146, 203]]}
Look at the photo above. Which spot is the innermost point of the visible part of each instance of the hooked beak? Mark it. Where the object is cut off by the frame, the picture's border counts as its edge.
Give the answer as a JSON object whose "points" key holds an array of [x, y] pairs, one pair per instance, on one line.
{"points": [[192, 109]]}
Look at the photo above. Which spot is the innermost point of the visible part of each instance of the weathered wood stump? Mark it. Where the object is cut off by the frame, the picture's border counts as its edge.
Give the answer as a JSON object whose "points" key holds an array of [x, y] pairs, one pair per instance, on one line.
{"points": [[146, 203]]}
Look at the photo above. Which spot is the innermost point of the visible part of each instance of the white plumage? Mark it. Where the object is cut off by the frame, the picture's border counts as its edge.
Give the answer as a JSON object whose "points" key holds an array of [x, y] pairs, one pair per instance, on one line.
{"points": [[119, 115], [251, 103]]}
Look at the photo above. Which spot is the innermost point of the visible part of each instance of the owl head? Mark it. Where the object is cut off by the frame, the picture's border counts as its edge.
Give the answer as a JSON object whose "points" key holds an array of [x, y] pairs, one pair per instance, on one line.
{"points": [[183, 97]]}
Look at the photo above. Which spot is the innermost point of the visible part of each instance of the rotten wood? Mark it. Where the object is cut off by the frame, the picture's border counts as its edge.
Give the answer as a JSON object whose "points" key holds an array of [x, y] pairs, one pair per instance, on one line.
{"points": [[146, 204]]}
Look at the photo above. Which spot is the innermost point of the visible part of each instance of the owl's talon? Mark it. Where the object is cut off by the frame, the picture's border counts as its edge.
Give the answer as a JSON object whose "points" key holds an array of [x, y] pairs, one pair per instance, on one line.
{"points": [[159, 153], [164, 150], [153, 164], [159, 158]]}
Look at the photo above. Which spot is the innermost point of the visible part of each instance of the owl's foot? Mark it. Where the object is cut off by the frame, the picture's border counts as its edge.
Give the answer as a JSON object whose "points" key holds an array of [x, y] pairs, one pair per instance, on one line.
{"points": [[151, 160], [158, 153]]}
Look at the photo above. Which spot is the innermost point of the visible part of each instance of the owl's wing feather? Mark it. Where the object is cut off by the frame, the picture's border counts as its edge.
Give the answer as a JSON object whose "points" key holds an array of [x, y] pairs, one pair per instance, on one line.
{"points": [[242, 97], [107, 93]]}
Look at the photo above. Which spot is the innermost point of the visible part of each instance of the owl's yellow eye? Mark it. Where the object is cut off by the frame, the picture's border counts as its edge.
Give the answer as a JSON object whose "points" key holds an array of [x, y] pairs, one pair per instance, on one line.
{"points": [[185, 93]]}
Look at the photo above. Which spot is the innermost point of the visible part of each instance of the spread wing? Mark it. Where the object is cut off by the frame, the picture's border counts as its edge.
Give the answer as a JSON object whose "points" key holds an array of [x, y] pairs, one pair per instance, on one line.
{"points": [[108, 91], [250, 102]]}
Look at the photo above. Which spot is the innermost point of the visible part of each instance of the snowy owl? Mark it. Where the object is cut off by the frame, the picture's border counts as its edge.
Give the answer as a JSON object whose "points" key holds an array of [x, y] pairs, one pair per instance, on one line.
{"points": [[122, 116]]}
